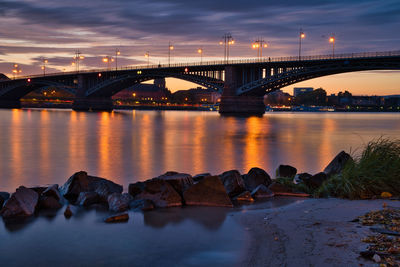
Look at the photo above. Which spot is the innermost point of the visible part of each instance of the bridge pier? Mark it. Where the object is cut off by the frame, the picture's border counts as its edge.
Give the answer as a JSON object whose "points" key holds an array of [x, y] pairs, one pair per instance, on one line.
{"points": [[93, 104], [8, 103], [235, 105]]}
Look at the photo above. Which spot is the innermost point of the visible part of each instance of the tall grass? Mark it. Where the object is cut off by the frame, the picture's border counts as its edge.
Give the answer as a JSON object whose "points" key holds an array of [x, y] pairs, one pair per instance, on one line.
{"points": [[376, 170]]}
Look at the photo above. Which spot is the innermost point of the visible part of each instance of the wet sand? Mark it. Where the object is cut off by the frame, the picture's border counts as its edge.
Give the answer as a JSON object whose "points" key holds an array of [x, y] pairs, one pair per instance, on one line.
{"points": [[309, 232]]}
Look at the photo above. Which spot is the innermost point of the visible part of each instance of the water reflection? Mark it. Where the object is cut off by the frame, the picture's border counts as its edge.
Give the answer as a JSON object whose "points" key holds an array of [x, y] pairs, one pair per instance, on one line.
{"points": [[43, 147]]}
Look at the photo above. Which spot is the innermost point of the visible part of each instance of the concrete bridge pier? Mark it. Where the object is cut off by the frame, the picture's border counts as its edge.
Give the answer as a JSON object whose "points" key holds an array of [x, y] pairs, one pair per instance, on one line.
{"points": [[234, 105], [93, 104], [10, 103]]}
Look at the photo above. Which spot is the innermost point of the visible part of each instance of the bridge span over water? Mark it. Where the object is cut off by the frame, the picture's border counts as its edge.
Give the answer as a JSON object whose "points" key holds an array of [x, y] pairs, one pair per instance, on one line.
{"points": [[243, 83]]}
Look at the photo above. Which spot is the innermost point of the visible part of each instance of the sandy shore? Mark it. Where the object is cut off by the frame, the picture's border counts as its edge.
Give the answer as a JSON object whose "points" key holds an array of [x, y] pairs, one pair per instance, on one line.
{"points": [[309, 232]]}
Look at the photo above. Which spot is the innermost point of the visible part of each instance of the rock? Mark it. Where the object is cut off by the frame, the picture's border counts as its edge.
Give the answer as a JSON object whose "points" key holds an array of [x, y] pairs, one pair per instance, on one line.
{"points": [[262, 191], [52, 191], [255, 177], [39, 189], [286, 171], [119, 202], [21, 204], [88, 198], [159, 191], [300, 177], [278, 188], [244, 197], [51, 202], [3, 198], [377, 258], [142, 204], [123, 217], [81, 182], [208, 192], [179, 181], [68, 212], [200, 176], [337, 164], [316, 180], [233, 182]]}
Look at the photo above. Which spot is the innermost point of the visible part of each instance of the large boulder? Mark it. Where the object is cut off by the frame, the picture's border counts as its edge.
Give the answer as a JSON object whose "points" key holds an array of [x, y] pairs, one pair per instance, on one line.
{"points": [[179, 181], [142, 204], [300, 177], [81, 182], [200, 176], [316, 180], [3, 198], [337, 164], [117, 218], [119, 202], [21, 204], [233, 182], [255, 177], [50, 198], [262, 191], [286, 171], [208, 192], [88, 198], [159, 191]]}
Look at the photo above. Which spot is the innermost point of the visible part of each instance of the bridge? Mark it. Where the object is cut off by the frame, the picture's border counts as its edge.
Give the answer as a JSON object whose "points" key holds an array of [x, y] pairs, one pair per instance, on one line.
{"points": [[243, 83]]}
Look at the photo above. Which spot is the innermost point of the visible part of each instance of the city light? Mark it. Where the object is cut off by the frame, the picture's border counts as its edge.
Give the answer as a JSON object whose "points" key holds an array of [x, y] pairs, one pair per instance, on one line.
{"points": [[259, 44], [43, 67], [200, 51], [332, 40], [17, 70], [302, 35]]}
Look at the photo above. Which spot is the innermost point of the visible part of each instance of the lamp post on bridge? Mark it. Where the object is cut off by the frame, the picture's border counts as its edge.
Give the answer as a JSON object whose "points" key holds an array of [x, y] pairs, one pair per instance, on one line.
{"points": [[170, 48], [77, 58], [332, 40], [147, 55], [108, 60], [117, 53], [302, 35], [44, 61], [16, 70], [227, 40], [259, 44], [200, 51]]}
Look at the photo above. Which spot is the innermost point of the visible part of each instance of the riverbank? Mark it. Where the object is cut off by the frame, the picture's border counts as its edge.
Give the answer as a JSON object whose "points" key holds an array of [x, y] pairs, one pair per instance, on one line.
{"points": [[309, 232]]}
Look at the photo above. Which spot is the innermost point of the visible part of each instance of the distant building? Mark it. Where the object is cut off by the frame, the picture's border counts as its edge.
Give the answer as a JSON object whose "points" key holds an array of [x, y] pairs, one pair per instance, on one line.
{"points": [[197, 96], [301, 90], [145, 92]]}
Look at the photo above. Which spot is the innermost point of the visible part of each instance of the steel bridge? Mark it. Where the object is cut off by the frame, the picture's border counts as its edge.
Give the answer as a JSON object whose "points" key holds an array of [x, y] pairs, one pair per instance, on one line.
{"points": [[243, 83]]}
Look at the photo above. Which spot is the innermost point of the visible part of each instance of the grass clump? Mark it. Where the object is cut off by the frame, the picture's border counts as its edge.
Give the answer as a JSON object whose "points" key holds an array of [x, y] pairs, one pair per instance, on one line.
{"points": [[376, 170]]}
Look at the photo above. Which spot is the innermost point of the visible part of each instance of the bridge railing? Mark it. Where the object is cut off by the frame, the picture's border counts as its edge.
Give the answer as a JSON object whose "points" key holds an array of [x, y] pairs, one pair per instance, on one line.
{"points": [[232, 62]]}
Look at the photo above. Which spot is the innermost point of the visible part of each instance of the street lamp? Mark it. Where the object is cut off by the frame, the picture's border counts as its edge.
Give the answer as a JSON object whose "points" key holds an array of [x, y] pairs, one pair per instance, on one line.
{"points": [[77, 58], [147, 55], [108, 60], [302, 35], [200, 51], [16, 70], [117, 53], [170, 48], [44, 61], [332, 40], [227, 40], [259, 44]]}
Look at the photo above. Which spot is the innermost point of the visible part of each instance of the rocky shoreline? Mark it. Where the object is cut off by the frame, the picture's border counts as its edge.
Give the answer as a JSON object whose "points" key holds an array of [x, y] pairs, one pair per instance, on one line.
{"points": [[171, 189]]}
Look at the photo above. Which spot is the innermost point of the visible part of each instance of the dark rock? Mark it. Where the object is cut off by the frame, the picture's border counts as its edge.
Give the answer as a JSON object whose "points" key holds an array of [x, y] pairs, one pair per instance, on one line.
{"points": [[160, 192], [179, 181], [244, 197], [3, 198], [337, 164], [208, 192], [81, 182], [38, 189], [68, 212], [117, 218], [316, 180], [88, 198], [200, 176], [286, 171], [255, 177], [142, 204], [52, 191], [119, 202], [21, 204], [50, 202], [233, 182], [300, 177], [262, 191]]}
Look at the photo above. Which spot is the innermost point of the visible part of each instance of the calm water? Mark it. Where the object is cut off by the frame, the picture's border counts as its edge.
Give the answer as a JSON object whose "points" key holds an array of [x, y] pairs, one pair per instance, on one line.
{"points": [[47, 146]]}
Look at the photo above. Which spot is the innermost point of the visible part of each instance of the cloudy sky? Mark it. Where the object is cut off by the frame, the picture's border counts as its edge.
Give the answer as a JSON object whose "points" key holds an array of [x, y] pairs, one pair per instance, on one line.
{"points": [[54, 29]]}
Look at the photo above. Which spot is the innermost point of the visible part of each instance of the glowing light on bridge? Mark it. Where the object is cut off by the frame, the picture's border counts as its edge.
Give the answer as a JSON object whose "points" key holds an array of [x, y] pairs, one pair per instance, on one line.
{"points": [[332, 40], [170, 48], [77, 58], [302, 35], [44, 61], [108, 60], [147, 55], [259, 44], [17, 70], [200, 51], [227, 40]]}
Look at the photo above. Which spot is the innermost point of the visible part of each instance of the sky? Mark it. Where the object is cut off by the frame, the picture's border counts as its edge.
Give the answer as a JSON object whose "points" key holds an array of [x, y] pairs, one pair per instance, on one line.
{"points": [[31, 30]]}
